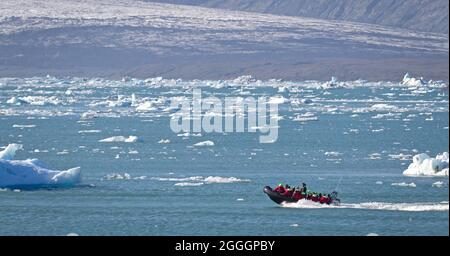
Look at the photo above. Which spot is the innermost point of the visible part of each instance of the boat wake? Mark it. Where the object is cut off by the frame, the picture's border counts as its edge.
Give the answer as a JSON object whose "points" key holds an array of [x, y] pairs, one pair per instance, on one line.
{"points": [[410, 207]]}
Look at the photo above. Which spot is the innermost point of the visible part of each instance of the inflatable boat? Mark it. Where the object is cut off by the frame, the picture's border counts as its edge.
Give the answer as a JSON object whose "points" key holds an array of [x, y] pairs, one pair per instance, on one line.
{"points": [[280, 198]]}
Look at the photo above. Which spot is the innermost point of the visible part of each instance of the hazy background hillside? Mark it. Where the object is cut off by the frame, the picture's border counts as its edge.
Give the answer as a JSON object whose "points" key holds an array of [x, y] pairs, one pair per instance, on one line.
{"points": [[421, 15], [116, 38]]}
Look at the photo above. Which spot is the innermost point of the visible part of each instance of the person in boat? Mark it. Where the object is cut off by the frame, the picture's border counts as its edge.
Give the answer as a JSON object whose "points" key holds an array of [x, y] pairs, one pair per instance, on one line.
{"points": [[323, 199], [289, 191], [280, 188], [329, 199], [315, 197], [297, 194], [304, 188]]}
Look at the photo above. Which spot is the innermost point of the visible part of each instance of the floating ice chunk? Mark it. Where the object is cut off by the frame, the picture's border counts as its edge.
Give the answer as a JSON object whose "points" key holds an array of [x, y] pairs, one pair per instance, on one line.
{"points": [[32, 172], [90, 131], [423, 165], [16, 101], [10, 151], [333, 83], [401, 157], [372, 234], [379, 183], [188, 184], [411, 81], [120, 102], [89, 115], [277, 100], [382, 107], [163, 141], [40, 100], [294, 225], [22, 126], [206, 143], [305, 117], [196, 180], [438, 184], [215, 179], [333, 153], [117, 176], [145, 106], [404, 184], [130, 139], [246, 79]]}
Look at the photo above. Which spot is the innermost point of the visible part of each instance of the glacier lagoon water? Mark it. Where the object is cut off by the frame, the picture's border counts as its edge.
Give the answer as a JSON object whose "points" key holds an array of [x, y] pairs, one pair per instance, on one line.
{"points": [[365, 136]]}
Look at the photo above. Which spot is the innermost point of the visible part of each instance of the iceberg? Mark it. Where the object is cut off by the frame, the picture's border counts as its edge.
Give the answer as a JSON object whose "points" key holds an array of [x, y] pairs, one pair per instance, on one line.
{"points": [[423, 165], [130, 139], [411, 81], [206, 143], [145, 106], [32, 172]]}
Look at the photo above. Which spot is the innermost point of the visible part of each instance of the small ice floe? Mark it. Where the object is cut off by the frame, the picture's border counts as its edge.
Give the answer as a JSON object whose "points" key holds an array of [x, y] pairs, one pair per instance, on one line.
{"points": [[382, 107], [63, 152], [206, 143], [89, 115], [130, 139], [423, 165], [22, 126], [333, 153], [124, 176], [89, 131], [379, 183], [375, 156], [404, 184], [240, 199], [163, 141], [72, 234], [305, 117], [411, 81], [294, 225], [188, 184], [145, 107], [200, 180], [401, 157], [438, 184], [372, 234]]}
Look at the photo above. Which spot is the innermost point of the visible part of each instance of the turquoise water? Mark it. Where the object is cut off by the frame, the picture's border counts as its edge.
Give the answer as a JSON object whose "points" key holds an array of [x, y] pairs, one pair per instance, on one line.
{"points": [[353, 147]]}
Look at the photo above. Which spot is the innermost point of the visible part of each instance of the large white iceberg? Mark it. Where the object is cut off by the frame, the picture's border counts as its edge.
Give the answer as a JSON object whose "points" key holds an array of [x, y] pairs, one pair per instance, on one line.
{"points": [[32, 172], [423, 165]]}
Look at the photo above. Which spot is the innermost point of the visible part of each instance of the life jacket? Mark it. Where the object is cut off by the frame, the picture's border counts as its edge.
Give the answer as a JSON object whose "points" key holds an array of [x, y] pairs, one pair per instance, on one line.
{"points": [[315, 198], [280, 189], [297, 195], [323, 199], [288, 193]]}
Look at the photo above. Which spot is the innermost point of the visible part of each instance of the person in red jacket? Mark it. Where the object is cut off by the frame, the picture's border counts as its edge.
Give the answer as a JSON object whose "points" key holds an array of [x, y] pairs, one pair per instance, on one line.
{"points": [[315, 198], [280, 189], [289, 191], [323, 199], [297, 195]]}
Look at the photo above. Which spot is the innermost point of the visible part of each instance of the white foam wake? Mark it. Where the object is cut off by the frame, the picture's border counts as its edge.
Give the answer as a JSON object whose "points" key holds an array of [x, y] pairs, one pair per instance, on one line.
{"points": [[410, 207]]}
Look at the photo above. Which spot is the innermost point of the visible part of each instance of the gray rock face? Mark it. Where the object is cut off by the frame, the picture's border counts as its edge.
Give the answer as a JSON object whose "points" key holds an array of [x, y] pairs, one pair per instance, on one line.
{"points": [[420, 15]]}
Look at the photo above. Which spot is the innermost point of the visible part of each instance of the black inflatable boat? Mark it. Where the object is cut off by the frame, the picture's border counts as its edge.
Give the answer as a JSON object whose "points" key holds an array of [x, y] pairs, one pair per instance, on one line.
{"points": [[279, 198]]}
